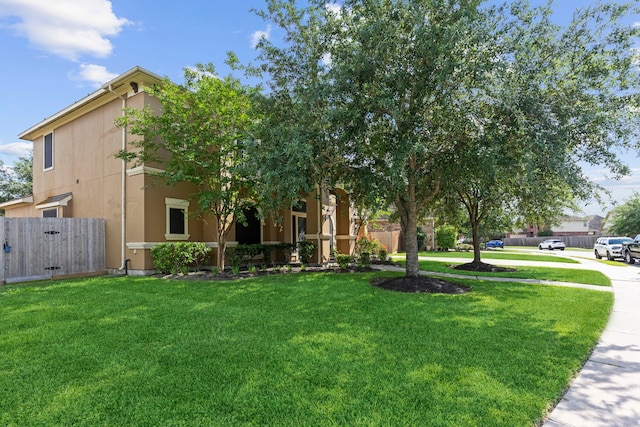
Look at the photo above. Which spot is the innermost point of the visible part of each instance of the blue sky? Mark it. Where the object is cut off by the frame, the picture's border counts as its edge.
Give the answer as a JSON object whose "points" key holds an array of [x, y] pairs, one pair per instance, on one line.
{"points": [[57, 52]]}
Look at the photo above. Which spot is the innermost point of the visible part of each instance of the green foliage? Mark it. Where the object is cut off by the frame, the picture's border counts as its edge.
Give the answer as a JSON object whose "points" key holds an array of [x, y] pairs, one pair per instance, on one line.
{"points": [[547, 232], [305, 250], [179, 257], [422, 236], [365, 259], [446, 237], [344, 260], [16, 181], [382, 254], [199, 136], [367, 244], [625, 220], [242, 254]]}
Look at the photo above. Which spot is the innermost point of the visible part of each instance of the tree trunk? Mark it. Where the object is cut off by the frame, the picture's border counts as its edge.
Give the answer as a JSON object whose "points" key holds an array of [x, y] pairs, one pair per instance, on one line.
{"points": [[475, 224], [409, 221], [222, 248]]}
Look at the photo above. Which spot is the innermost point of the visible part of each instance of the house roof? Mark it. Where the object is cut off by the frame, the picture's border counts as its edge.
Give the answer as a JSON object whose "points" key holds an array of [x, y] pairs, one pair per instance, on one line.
{"points": [[116, 87], [17, 202], [55, 201]]}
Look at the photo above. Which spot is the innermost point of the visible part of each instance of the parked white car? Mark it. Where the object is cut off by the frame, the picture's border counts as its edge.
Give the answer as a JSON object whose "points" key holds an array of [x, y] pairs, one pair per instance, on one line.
{"points": [[552, 244], [610, 247]]}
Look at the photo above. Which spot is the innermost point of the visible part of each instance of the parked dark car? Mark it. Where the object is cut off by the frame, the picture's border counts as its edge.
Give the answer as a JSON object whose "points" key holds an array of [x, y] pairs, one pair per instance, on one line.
{"points": [[494, 244], [631, 250]]}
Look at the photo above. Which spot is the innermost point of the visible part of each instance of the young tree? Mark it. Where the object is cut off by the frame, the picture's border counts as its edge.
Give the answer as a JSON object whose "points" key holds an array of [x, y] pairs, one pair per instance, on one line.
{"points": [[199, 136]]}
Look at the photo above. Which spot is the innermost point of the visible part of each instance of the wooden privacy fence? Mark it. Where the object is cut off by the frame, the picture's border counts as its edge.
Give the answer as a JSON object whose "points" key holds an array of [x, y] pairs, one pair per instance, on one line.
{"points": [[585, 242], [41, 248], [390, 239]]}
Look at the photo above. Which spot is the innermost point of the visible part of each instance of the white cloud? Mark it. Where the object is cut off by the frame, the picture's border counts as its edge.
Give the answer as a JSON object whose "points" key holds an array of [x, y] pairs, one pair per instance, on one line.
{"points": [[67, 28], [95, 75], [258, 35], [16, 149], [333, 8]]}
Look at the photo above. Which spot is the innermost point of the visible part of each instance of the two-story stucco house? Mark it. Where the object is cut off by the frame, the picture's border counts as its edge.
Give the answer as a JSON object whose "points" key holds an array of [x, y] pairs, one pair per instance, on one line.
{"points": [[76, 174]]}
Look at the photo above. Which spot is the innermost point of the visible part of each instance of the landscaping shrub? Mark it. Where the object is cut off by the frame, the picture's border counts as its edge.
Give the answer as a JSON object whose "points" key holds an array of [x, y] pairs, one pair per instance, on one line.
{"points": [[446, 237], [382, 254], [179, 257], [464, 247], [242, 254], [365, 259], [367, 244], [305, 250], [343, 260]]}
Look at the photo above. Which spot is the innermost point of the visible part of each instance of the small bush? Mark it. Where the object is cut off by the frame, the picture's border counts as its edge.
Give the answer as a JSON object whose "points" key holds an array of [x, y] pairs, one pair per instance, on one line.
{"points": [[367, 244], [464, 247], [344, 260], [179, 257], [446, 237], [305, 250], [365, 259], [382, 254]]}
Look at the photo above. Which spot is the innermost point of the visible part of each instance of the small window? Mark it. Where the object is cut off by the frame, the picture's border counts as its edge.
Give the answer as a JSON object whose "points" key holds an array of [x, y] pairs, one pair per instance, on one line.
{"points": [[50, 213], [48, 151], [177, 224]]}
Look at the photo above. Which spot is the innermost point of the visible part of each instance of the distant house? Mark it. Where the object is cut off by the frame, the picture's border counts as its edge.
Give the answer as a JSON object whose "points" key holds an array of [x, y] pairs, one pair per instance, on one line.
{"points": [[590, 225], [76, 175], [578, 226]]}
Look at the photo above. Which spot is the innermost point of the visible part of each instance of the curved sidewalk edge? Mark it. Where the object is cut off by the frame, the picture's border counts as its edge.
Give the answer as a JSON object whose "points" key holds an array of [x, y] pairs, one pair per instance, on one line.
{"points": [[606, 392], [500, 279]]}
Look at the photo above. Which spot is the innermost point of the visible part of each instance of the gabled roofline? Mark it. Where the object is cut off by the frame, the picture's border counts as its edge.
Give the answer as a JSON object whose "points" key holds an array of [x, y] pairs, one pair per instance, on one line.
{"points": [[117, 82]]}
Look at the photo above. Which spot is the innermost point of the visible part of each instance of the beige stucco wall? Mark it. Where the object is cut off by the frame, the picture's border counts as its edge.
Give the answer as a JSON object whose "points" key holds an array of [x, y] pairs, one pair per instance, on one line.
{"points": [[85, 144]]}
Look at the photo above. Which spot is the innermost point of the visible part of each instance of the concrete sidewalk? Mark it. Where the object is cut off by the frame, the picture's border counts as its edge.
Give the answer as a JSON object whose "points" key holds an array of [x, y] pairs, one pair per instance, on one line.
{"points": [[606, 392]]}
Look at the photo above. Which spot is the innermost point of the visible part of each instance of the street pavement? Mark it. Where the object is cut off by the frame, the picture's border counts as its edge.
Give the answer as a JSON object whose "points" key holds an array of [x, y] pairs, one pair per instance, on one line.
{"points": [[606, 392]]}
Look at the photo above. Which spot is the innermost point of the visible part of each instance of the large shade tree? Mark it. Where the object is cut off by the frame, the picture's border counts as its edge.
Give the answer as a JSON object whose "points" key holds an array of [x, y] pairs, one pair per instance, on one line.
{"points": [[625, 219], [374, 82], [402, 98], [199, 136], [557, 98]]}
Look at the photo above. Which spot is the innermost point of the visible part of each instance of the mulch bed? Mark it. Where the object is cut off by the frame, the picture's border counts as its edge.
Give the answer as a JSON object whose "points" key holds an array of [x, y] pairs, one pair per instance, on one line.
{"points": [[482, 267], [420, 284]]}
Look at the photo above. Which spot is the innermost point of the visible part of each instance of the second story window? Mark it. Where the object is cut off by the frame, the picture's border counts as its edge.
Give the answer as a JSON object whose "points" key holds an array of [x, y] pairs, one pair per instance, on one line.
{"points": [[48, 151]]}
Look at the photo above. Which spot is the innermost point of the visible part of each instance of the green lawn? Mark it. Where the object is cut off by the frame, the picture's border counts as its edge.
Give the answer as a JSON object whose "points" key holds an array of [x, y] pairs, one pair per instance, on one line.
{"points": [[290, 349], [498, 254], [570, 275]]}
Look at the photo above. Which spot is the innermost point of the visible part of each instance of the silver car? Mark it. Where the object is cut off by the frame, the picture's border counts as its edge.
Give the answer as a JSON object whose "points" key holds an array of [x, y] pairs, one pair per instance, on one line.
{"points": [[552, 244], [610, 247]]}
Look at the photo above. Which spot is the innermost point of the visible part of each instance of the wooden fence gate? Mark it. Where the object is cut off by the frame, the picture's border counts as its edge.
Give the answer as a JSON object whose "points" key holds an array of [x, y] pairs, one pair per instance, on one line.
{"points": [[41, 248]]}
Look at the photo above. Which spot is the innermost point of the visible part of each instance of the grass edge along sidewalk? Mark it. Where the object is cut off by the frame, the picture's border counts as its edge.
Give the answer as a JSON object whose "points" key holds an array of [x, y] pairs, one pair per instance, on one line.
{"points": [[289, 349], [547, 274]]}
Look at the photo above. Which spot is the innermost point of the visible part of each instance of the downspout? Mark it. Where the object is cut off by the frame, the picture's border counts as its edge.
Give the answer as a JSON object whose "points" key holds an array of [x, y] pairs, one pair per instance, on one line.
{"points": [[123, 200]]}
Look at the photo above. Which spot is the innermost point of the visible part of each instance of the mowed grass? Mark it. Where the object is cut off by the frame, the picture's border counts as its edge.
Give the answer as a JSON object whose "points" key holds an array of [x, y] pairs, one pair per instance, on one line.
{"points": [[569, 275], [499, 254], [291, 349]]}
